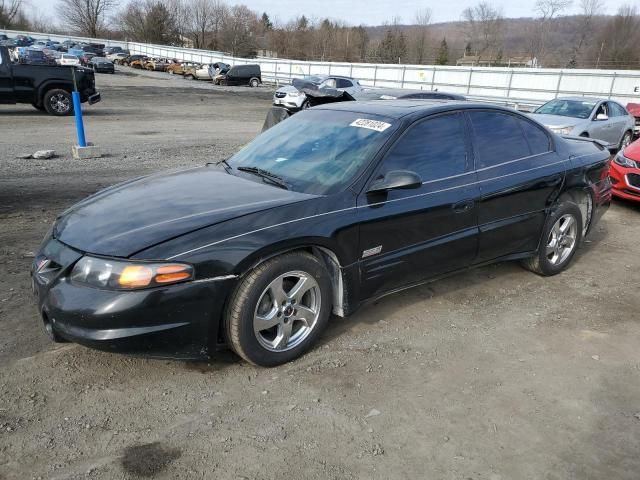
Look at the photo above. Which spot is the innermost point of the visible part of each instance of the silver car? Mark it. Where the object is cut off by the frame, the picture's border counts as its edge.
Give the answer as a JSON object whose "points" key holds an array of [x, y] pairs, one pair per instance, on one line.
{"points": [[604, 120], [293, 99]]}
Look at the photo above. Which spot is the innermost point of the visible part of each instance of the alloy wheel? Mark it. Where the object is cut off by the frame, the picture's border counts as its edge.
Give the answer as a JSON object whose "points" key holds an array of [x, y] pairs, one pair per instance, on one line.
{"points": [[562, 239], [287, 311], [60, 103]]}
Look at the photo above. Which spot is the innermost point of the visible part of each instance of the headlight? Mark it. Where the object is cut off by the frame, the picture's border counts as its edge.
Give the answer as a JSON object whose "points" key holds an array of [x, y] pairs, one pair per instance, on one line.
{"points": [[294, 94], [623, 161], [123, 275], [563, 131]]}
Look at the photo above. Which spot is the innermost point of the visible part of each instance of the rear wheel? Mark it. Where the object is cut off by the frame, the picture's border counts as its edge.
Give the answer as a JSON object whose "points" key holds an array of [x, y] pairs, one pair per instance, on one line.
{"points": [[279, 309], [254, 82], [189, 77], [560, 240], [58, 102]]}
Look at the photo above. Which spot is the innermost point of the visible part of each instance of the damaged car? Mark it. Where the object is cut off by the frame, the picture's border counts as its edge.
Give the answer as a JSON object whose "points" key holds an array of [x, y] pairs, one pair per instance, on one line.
{"points": [[333, 208], [294, 99]]}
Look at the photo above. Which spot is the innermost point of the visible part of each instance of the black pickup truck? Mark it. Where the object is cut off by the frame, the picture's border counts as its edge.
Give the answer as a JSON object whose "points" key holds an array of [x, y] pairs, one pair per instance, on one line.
{"points": [[46, 87]]}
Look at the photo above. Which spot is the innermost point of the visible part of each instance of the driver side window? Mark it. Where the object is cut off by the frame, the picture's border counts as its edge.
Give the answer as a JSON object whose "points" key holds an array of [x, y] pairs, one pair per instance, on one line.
{"points": [[601, 110], [434, 148]]}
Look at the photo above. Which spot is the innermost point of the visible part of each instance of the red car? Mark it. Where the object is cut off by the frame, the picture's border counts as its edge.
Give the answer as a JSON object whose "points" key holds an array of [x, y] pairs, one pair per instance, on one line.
{"points": [[625, 172], [634, 109]]}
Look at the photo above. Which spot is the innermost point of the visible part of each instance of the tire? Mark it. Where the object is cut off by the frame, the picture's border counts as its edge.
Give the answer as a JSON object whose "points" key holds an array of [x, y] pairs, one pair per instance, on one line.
{"points": [[254, 83], [561, 237], [305, 105], [626, 139], [171, 72], [38, 107], [189, 77], [58, 102], [284, 335]]}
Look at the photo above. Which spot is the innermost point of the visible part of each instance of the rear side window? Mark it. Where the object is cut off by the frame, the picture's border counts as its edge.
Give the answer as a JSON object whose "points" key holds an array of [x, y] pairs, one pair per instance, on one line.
{"points": [[497, 138], [536, 137], [343, 83], [434, 148], [616, 110]]}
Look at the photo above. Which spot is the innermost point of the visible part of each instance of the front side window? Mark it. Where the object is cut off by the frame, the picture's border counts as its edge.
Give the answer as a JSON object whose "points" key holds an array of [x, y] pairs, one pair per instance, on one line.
{"points": [[497, 138], [434, 148], [317, 151]]}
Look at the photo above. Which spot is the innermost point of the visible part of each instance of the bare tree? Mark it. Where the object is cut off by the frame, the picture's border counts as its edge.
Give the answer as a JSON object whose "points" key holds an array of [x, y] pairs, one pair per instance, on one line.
{"points": [[585, 28], [484, 27], [9, 9], [86, 17], [149, 21], [618, 42], [419, 40], [206, 18], [547, 11], [238, 31]]}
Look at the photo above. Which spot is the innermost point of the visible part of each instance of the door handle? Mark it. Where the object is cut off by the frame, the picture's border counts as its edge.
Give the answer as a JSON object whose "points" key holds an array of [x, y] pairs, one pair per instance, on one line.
{"points": [[463, 206]]}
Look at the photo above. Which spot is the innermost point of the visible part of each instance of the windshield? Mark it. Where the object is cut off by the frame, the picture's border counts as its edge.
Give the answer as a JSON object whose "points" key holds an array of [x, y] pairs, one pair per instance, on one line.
{"points": [[568, 108], [316, 151]]}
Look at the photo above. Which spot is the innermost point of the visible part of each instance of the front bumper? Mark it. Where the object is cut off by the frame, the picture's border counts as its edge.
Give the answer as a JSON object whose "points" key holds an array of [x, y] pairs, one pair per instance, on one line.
{"points": [[625, 182], [290, 103], [177, 321]]}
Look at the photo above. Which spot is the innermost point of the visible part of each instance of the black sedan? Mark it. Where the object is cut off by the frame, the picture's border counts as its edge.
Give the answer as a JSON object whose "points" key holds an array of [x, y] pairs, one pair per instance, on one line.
{"points": [[101, 65], [336, 206]]}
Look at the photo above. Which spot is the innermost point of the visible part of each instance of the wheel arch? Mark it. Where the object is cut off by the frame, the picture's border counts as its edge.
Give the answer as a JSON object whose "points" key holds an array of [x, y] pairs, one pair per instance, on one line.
{"points": [[320, 248], [583, 197], [52, 85]]}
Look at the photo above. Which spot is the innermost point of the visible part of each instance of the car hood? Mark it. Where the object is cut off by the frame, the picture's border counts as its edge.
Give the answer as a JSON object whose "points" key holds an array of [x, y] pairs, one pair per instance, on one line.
{"points": [[127, 218], [555, 121]]}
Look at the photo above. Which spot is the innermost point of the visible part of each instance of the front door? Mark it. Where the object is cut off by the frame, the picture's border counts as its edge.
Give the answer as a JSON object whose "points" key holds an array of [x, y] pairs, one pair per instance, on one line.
{"points": [[407, 236]]}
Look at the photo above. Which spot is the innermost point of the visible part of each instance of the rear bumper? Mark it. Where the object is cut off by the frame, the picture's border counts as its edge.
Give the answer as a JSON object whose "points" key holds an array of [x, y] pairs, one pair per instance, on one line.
{"points": [[95, 98]]}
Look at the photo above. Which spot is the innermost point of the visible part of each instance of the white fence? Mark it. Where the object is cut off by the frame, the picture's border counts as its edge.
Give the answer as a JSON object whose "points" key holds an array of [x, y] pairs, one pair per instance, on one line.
{"points": [[520, 86]]}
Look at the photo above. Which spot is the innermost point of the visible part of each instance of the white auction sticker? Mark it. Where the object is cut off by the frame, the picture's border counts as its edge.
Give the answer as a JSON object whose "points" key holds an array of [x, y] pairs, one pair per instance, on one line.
{"points": [[370, 124]]}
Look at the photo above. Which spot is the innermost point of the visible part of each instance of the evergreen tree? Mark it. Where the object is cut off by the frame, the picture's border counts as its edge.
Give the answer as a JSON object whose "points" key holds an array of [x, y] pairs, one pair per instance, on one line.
{"points": [[443, 53]]}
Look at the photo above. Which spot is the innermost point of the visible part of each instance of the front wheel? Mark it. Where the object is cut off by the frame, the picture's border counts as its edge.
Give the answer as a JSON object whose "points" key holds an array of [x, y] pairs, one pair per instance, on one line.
{"points": [[279, 309], [626, 140], [58, 102], [560, 239]]}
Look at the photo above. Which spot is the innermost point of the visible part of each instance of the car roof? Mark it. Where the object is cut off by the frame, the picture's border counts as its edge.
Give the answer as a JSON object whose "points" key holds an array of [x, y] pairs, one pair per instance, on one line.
{"points": [[582, 99], [401, 108]]}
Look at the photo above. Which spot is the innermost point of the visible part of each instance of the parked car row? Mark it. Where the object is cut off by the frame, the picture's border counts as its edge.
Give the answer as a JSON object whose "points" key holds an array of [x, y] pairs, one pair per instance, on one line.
{"points": [[219, 73]]}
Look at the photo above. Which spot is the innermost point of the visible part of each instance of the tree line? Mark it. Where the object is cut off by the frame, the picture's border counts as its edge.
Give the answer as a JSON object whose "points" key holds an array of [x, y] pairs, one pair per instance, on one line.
{"points": [[552, 37]]}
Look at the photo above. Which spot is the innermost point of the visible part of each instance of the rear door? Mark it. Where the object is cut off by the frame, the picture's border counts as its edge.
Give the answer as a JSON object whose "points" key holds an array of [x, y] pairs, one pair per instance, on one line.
{"points": [[519, 172], [619, 120], [6, 78], [410, 235]]}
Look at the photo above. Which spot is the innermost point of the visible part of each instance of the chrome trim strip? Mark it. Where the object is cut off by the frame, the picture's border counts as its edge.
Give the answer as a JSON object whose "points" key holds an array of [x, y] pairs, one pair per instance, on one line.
{"points": [[215, 279], [369, 205], [258, 230]]}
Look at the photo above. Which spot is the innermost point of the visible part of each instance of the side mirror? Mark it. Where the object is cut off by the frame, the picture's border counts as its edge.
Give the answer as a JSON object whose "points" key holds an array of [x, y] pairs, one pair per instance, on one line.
{"points": [[602, 117], [394, 180]]}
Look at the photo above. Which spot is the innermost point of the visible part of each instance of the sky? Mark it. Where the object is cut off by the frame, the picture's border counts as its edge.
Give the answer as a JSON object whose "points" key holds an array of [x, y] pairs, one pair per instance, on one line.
{"points": [[369, 12]]}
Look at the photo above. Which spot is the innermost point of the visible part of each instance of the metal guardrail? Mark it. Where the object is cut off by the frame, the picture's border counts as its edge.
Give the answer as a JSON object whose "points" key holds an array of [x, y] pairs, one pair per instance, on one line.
{"points": [[512, 86]]}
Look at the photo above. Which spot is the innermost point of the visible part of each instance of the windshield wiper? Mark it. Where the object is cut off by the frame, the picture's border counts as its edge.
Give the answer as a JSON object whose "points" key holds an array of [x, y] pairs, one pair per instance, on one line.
{"points": [[224, 163], [266, 175]]}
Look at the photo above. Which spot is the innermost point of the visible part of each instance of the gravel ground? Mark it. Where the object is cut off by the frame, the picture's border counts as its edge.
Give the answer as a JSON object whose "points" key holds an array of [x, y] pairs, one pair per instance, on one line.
{"points": [[491, 374]]}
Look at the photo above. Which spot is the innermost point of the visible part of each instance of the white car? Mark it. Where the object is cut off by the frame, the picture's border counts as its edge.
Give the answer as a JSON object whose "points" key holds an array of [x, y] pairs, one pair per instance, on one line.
{"points": [[293, 99], [200, 72], [68, 59], [114, 57]]}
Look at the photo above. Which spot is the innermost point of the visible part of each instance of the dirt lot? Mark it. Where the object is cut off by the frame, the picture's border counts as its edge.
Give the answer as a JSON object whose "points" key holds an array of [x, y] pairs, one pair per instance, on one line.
{"points": [[492, 374]]}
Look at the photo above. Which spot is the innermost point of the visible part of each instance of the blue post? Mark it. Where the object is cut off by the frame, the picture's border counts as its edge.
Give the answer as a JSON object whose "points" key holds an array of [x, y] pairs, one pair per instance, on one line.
{"points": [[77, 109]]}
